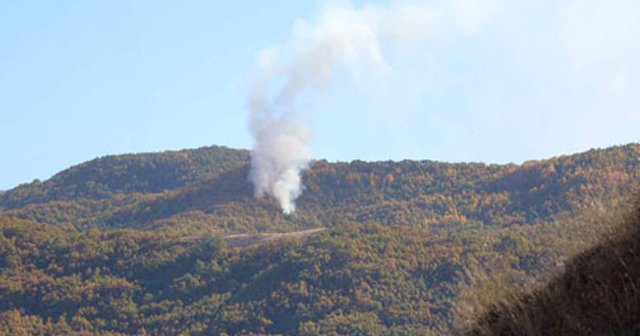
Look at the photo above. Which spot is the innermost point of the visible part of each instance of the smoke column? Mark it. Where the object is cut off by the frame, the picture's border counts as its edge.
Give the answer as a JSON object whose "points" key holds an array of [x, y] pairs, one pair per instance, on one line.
{"points": [[341, 39]]}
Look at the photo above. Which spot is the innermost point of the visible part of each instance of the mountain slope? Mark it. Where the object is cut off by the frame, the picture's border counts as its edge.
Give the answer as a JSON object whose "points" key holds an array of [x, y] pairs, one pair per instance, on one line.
{"points": [[400, 239], [207, 190], [351, 279], [597, 294]]}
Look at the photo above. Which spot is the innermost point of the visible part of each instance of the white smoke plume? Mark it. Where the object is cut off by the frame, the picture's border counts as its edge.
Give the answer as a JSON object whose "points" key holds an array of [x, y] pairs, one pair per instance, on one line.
{"points": [[342, 39]]}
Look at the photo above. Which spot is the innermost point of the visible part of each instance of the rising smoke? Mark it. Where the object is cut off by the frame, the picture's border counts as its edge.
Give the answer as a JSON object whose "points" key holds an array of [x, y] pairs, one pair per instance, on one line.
{"points": [[342, 39]]}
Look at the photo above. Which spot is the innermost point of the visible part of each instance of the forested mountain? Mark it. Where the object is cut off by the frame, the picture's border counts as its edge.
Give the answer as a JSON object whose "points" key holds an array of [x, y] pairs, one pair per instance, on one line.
{"points": [[208, 190], [135, 245], [353, 279]]}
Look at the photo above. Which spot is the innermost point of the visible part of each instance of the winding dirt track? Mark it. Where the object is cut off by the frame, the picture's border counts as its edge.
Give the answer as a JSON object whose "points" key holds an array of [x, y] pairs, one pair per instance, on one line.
{"points": [[245, 239]]}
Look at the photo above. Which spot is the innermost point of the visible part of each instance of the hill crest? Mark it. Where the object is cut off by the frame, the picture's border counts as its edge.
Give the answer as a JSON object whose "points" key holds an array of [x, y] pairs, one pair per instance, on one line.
{"points": [[207, 189]]}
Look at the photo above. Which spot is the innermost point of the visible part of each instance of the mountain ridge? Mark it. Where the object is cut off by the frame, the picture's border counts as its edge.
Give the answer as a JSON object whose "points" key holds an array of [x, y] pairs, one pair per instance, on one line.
{"points": [[207, 189]]}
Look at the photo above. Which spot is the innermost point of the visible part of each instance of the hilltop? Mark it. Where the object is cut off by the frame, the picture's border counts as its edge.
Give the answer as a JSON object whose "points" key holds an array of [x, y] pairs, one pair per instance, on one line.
{"points": [[207, 190]]}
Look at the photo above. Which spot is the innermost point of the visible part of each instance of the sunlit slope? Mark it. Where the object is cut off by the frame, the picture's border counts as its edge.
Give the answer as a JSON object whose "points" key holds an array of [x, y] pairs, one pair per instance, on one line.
{"points": [[207, 189]]}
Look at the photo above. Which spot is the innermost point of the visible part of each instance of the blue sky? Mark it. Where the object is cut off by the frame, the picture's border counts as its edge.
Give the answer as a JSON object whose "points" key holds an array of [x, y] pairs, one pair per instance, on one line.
{"points": [[494, 81]]}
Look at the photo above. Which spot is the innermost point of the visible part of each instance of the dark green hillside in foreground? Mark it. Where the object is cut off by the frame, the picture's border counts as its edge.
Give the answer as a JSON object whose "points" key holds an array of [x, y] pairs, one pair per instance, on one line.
{"points": [[598, 293]]}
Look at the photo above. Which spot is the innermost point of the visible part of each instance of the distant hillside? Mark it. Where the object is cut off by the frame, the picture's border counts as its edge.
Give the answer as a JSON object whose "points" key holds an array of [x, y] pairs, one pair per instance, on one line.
{"points": [[597, 294], [207, 190]]}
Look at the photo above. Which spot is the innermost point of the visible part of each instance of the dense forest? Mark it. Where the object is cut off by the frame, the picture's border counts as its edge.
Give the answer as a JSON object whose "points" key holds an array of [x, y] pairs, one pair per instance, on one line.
{"points": [[138, 244], [207, 190], [353, 279]]}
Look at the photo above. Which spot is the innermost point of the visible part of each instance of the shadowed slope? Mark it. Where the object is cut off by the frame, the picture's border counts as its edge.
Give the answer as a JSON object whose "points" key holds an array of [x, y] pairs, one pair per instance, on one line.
{"points": [[598, 293]]}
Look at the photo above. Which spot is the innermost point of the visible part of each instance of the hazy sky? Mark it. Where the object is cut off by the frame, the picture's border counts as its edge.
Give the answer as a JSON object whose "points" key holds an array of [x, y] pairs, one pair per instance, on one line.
{"points": [[491, 80]]}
